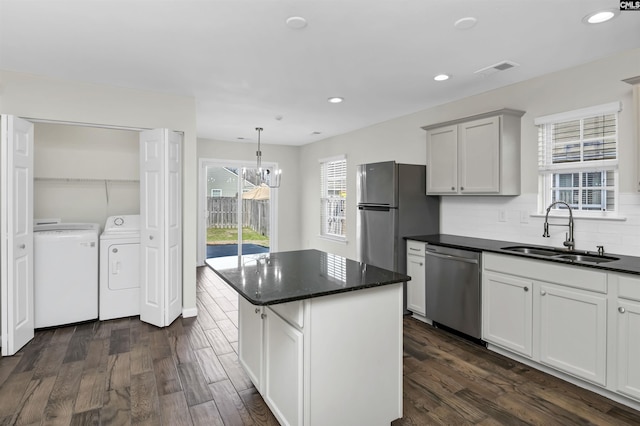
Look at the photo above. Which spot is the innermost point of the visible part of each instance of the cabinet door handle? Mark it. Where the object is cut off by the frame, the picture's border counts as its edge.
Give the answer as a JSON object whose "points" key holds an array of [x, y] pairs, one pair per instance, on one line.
{"points": [[526, 288], [417, 263], [462, 188], [542, 292], [263, 316], [414, 249], [453, 188], [22, 246], [257, 310], [621, 310]]}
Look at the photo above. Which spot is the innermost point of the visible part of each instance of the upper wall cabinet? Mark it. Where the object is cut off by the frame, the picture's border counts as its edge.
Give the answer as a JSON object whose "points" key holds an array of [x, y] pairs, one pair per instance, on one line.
{"points": [[478, 155], [635, 82]]}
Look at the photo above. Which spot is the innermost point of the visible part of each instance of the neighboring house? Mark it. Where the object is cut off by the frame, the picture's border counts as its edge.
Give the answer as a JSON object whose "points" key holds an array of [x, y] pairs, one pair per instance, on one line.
{"points": [[223, 182]]}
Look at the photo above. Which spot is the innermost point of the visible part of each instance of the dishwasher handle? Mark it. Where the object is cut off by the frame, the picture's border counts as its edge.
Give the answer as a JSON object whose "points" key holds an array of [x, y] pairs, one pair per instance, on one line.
{"points": [[450, 257]]}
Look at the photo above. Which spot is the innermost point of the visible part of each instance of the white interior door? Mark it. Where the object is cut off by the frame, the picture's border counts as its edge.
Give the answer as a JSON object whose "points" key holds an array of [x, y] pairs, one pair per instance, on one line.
{"points": [[16, 235], [161, 227]]}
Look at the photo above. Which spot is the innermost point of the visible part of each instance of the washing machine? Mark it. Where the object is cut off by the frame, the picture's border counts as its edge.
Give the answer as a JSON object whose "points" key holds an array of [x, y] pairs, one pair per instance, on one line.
{"points": [[120, 267], [65, 275]]}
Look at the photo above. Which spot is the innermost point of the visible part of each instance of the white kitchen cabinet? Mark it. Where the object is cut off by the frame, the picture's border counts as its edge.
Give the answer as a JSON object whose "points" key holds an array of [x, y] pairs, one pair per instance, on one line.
{"points": [[507, 319], [568, 313], [477, 155], [442, 160], [416, 291], [250, 341], [628, 347], [635, 82], [284, 363], [573, 331], [313, 355], [585, 321], [627, 320]]}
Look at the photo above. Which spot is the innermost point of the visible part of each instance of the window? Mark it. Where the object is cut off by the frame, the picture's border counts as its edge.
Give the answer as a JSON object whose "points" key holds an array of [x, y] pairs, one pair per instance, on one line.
{"points": [[216, 193], [333, 197], [578, 159]]}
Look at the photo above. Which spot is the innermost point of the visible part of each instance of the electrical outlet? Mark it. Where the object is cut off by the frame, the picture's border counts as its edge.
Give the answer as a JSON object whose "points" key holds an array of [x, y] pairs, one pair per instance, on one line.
{"points": [[524, 216], [502, 215]]}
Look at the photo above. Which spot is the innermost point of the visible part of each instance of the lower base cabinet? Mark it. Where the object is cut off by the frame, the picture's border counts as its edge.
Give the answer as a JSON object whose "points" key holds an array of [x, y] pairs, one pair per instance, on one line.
{"points": [[250, 341], [507, 318], [579, 321], [416, 289], [629, 348], [309, 359], [283, 349], [573, 331], [627, 319]]}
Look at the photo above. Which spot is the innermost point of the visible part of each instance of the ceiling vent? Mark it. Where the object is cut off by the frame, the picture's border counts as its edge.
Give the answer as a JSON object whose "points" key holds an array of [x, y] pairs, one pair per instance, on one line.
{"points": [[500, 66]]}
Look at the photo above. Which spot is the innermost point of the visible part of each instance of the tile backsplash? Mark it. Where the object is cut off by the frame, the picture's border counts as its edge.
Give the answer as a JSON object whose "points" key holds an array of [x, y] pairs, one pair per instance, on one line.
{"points": [[517, 219]]}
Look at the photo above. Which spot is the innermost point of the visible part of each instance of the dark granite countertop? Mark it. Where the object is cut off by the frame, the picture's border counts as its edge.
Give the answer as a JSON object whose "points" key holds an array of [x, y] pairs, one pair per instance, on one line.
{"points": [[273, 278], [625, 264]]}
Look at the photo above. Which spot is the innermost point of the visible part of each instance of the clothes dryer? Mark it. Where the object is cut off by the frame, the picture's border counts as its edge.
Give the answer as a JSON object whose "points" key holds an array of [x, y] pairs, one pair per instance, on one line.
{"points": [[120, 267]]}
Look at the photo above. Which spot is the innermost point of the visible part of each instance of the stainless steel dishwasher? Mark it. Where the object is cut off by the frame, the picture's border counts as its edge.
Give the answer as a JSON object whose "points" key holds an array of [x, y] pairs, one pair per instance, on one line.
{"points": [[453, 288]]}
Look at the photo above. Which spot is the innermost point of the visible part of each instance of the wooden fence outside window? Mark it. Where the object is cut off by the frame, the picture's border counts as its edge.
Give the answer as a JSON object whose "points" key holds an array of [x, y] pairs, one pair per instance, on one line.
{"points": [[222, 212]]}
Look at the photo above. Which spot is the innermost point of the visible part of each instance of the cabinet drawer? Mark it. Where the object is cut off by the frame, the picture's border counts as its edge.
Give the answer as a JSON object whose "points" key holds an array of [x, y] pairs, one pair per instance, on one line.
{"points": [[629, 287], [415, 248], [292, 312]]}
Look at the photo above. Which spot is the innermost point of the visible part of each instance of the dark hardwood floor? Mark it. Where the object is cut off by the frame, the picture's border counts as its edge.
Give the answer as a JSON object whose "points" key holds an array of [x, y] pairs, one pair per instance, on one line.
{"points": [[127, 372]]}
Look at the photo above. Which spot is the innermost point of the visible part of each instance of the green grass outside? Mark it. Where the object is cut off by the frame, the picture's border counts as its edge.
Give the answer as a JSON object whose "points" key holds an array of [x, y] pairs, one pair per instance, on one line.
{"points": [[230, 236]]}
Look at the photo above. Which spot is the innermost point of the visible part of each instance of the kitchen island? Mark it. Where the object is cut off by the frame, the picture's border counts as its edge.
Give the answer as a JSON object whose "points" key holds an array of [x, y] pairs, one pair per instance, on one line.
{"points": [[320, 336]]}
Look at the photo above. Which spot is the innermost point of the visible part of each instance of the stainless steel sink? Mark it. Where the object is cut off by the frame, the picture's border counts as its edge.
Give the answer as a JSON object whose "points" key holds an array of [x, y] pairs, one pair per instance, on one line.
{"points": [[562, 255], [532, 250], [585, 258]]}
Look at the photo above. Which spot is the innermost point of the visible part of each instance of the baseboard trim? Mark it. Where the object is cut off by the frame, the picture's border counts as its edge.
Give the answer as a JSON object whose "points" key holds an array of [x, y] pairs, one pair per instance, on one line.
{"points": [[189, 312]]}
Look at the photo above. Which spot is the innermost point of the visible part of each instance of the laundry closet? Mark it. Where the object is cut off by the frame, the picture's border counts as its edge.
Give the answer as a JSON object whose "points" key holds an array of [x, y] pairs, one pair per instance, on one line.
{"points": [[86, 180], [72, 179]]}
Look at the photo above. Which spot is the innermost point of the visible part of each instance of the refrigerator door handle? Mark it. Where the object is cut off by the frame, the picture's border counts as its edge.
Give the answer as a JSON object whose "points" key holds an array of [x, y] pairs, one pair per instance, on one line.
{"points": [[375, 208]]}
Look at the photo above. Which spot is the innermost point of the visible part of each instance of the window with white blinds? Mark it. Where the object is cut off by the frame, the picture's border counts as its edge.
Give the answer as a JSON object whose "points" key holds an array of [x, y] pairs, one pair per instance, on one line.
{"points": [[578, 159], [333, 197]]}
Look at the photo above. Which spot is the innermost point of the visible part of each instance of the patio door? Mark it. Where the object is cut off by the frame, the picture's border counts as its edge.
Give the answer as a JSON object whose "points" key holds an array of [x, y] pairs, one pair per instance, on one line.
{"points": [[237, 210]]}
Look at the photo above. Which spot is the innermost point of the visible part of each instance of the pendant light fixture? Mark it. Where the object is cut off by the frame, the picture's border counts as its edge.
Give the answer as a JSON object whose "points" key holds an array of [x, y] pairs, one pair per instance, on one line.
{"points": [[270, 177]]}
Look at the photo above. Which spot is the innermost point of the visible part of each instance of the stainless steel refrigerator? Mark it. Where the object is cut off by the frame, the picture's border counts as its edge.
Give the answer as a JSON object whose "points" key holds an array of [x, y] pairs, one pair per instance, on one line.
{"points": [[392, 205]]}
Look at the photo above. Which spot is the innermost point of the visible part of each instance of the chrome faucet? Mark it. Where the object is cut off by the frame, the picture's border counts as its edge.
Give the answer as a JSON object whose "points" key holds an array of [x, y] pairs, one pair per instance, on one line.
{"points": [[569, 243]]}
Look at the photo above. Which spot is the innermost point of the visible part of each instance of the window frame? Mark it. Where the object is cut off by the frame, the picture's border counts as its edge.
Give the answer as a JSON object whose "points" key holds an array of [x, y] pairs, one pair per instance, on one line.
{"points": [[325, 198], [548, 171]]}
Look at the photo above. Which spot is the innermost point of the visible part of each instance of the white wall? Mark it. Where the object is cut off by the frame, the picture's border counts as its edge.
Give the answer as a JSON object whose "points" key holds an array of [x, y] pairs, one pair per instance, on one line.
{"points": [[27, 95], [287, 158], [85, 174], [403, 140]]}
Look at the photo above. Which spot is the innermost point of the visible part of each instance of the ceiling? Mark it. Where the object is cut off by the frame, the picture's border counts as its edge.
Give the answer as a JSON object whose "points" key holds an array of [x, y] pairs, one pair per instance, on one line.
{"points": [[246, 67]]}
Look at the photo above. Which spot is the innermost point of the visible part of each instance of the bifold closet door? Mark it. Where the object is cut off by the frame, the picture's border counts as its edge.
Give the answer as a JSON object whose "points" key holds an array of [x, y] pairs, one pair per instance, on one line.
{"points": [[161, 226], [16, 234]]}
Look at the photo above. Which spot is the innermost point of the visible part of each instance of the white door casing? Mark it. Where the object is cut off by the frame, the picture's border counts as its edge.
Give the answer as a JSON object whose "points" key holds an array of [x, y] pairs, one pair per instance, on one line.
{"points": [[16, 234], [161, 227]]}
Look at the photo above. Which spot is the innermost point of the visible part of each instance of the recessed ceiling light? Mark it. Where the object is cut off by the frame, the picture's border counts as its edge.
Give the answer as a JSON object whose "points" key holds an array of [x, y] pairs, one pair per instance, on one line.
{"points": [[599, 16], [296, 22], [335, 100], [441, 77], [465, 23]]}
